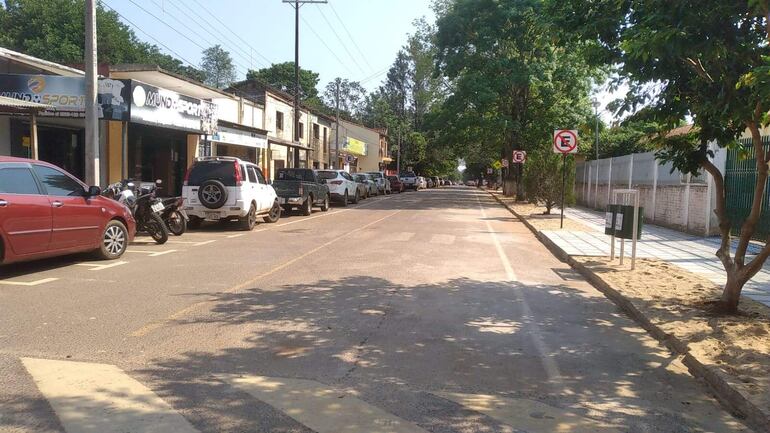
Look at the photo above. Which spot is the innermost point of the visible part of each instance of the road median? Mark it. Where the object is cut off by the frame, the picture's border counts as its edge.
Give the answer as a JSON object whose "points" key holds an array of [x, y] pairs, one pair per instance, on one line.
{"points": [[730, 353]]}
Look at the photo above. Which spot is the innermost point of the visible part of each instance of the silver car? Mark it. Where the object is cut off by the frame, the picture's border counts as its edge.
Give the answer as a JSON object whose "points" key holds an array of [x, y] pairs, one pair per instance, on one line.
{"points": [[369, 185], [383, 184]]}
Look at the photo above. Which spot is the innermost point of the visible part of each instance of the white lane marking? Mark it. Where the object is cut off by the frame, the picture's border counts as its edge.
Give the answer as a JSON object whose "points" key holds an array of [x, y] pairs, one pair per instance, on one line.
{"points": [[235, 236], [519, 413], [442, 239], [98, 267], [101, 398], [193, 243], [320, 407], [28, 283], [549, 365], [151, 253], [403, 236]]}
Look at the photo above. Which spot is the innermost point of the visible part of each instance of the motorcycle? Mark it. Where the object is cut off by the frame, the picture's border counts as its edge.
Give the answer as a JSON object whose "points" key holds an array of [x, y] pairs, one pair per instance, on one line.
{"points": [[144, 206], [173, 214]]}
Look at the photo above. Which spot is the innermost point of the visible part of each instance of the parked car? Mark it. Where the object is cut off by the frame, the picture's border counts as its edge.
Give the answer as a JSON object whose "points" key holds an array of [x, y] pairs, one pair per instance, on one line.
{"points": [[395, 184], [342, 186], [429, 182], [367, 185], [383, 184], [436, 181], [221, 188], [302, 188], [45, 212], [421, 183], [470, 183], [410, 180]]}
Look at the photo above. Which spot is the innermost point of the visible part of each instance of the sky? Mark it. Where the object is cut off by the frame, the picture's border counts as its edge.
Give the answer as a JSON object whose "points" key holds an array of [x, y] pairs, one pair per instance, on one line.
{"points": [[354, 39]]}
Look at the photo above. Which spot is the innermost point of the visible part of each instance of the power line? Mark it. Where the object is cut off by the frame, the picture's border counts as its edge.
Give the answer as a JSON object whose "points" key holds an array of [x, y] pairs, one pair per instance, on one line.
{"points": [[352, 39], [324, 43], [179, 56], [341, 41], [231, 31], [375, 75]]}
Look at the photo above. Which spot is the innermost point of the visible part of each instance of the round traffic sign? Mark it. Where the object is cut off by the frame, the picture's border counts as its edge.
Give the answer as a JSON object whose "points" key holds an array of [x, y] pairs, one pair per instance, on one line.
{"points": [[519, 156], [565, 141]]}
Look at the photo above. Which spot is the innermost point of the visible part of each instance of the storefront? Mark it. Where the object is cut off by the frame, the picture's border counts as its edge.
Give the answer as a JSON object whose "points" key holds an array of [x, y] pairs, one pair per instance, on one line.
{"points": [[163, 134], [247, 143], [352, 150], [283, 153], [60, 129]]}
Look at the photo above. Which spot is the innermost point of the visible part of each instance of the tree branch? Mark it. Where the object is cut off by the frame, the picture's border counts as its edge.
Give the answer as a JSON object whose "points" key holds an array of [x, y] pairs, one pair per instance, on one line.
{"points": [[749, 226]]}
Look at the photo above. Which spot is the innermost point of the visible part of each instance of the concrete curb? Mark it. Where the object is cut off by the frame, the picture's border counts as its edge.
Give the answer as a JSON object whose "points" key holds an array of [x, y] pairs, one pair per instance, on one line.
{"points": [[722, 385]]}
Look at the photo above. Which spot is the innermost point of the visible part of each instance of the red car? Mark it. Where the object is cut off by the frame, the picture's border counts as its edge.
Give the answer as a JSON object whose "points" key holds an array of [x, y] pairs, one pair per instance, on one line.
{"points": [[44, 211], [396, 184]]}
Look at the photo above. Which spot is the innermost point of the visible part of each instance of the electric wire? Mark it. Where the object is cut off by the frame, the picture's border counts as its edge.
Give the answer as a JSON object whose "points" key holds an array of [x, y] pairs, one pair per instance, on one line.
{"points": [[344, 46], [352, 39]]}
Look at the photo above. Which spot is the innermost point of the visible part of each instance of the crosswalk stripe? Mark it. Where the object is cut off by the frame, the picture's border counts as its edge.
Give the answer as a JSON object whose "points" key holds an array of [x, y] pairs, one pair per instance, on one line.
{"points": [[320, 407], [442, 239], [101, 398], [529, 415]]}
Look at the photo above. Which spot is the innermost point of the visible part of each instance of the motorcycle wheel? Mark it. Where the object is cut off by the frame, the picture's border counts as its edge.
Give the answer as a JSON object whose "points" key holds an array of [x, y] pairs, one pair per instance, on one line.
{"points": [[176, 223], [155, 228]]}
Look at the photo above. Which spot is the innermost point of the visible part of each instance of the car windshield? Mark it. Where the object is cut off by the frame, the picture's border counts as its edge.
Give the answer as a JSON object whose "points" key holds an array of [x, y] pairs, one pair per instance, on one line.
{"points": [[408, 174], [201, 171], [327, 174], [375, 175], [360, 178]]}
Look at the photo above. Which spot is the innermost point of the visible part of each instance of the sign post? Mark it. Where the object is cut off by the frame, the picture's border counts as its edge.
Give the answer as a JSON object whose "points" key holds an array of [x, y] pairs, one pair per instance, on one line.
{"points": [[565, 141]]}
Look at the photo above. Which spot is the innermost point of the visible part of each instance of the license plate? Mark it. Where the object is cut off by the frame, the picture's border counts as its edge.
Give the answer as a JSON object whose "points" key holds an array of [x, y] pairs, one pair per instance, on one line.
{"points": [[212, 215], [157, 207]]}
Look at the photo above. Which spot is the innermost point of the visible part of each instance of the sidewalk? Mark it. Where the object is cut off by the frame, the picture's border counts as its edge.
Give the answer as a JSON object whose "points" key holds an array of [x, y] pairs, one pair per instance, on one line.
{"points": [[692, 253]]}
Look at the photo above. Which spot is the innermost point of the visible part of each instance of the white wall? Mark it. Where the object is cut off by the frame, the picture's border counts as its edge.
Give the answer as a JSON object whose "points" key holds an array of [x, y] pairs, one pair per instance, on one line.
{"points": [[5, 136]]}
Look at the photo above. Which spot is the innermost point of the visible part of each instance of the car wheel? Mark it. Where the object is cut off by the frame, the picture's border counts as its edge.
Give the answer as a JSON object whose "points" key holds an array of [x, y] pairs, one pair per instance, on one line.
{"points": [[156, 229], [176, 223], [212, 194], [250, 220], [114, 241], [356, 197], [275, 213], [325, 205], [345, 199], [307, 206]]}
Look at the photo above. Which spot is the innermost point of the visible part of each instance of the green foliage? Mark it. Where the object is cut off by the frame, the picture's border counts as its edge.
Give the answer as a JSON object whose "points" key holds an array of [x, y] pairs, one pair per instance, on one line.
{"points": [[352, 98], [54, 30], [281, 77], [218, 67], [543, 179]]}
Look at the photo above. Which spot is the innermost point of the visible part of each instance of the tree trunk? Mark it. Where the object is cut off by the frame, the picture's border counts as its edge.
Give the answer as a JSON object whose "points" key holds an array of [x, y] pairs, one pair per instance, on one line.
{"points": [[509, 187], [731, 295]]}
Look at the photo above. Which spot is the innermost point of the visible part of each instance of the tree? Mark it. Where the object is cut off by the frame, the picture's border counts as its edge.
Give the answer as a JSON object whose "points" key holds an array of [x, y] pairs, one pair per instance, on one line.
{"points": [[218, 67], [708, 61], [352, 98], [281, 77], [543, 178], [512, 84], [54, 30]]}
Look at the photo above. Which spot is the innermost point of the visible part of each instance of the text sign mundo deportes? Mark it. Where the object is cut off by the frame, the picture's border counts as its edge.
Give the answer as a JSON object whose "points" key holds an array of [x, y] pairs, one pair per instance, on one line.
{"points": [[519, 157], [565, 141]]}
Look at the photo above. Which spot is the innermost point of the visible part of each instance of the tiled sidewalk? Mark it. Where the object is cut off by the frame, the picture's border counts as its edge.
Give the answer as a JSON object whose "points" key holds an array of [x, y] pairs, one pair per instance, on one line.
{"points": [[693, 253]]}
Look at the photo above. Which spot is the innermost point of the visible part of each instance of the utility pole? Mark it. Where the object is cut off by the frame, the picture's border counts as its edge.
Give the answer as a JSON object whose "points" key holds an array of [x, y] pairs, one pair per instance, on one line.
{"points": [[337, 121], [297, 4], [92, 115]]}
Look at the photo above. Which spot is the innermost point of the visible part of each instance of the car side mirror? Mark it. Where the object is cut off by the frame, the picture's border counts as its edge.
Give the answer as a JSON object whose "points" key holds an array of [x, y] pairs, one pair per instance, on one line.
{"points": [[93, 191]]}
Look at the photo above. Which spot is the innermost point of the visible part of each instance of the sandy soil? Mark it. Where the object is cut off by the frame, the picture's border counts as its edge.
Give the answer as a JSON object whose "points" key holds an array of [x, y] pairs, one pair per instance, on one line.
{"points": [[677, 301]]}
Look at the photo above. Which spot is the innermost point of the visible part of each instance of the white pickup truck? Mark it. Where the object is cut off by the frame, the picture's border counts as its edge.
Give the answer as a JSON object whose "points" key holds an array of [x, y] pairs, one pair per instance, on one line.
{"points": [[409, 179]]}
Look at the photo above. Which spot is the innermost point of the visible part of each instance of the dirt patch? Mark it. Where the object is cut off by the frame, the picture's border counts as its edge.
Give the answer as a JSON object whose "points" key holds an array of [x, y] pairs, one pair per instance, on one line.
{"points": [[534, 215]]}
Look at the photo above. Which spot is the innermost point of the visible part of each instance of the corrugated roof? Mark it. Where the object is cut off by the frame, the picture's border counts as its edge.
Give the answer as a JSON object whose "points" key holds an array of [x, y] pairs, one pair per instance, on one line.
{"points": [[18, 104]]}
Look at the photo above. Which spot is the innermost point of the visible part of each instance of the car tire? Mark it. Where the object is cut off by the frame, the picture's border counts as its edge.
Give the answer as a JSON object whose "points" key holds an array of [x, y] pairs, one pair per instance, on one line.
{"points": [[356, 197], [275, 213], [248, 222], [114, 241], [325, 205], [212, 194], [345, 199], [307, 206]]}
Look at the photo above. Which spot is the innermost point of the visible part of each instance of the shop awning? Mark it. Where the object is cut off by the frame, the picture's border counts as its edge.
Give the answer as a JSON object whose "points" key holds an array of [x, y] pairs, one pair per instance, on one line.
{"points": [[17, 106], [282, 142]]}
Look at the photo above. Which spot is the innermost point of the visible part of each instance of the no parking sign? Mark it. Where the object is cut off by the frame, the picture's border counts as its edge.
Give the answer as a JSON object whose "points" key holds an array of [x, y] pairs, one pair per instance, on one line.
{"points": [[565, 141]]}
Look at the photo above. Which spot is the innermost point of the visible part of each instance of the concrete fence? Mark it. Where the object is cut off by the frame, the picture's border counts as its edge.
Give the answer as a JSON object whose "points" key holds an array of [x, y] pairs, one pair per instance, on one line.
{"points": [[670, 198]]}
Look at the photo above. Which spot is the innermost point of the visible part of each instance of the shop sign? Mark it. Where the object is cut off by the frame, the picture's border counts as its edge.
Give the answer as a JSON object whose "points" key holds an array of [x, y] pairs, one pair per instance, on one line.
{"points": [[67, 94], [356, 147], [154, 106], [241, 138]]}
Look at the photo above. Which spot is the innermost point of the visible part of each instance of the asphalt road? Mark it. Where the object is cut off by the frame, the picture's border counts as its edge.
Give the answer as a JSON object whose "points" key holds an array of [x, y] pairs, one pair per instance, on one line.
{"points": [[426, 311]]}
